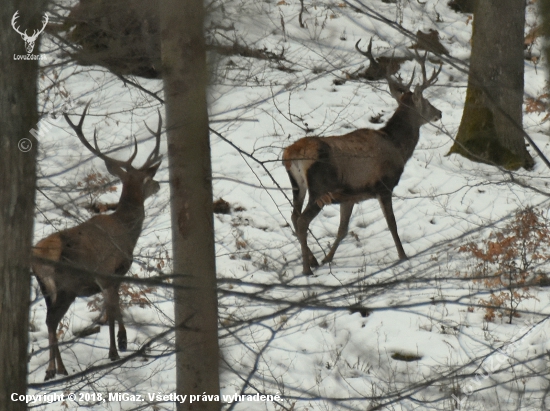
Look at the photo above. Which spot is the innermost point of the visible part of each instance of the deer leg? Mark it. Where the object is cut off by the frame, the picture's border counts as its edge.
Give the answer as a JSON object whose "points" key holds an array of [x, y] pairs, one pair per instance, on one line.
{"points": [[346, 209], [121, 336], [302, 225], [298, 196], [110, 295], [122, 340], [56, 311], [52, 339], [386, 205]]}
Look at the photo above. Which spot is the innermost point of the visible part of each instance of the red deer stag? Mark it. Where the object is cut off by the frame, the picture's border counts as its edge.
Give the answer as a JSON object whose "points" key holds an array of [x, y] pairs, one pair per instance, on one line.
{"points": [[104, 245], [357, 166]]}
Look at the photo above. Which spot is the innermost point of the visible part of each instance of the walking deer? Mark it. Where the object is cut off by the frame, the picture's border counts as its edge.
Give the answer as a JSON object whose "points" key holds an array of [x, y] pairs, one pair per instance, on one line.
{"points": [[103, 245], [357, 166]]}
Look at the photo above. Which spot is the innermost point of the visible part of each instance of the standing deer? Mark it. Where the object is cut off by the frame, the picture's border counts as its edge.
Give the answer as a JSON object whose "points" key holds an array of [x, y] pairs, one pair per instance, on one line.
{"points": [[357, 166], [104, 245]]}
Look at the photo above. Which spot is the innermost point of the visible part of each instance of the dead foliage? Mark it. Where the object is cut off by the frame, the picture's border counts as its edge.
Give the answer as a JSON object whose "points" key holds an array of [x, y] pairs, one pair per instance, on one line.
{"points": [[221, 206], [430, 42], [506, 263]]}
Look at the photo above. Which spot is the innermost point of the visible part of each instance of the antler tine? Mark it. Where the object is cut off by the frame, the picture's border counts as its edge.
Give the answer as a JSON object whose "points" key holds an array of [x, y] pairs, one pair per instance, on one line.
{"points": [[399, 81], [435, 74], [78, 130], [408, 86], [96, 151], [368, 53], [134, 154], [126, 164], [433, 78], [422, 61], [154, 157]]}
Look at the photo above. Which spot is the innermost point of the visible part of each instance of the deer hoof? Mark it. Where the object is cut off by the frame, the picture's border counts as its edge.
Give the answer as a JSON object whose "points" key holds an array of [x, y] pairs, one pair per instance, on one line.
{"points": [[122, 341], [114, 356], [49, 375]]}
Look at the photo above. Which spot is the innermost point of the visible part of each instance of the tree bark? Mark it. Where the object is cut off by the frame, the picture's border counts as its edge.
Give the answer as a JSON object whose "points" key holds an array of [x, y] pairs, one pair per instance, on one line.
{"points": [[491, 126], [544, 12], [185, 81], [18, 114]]}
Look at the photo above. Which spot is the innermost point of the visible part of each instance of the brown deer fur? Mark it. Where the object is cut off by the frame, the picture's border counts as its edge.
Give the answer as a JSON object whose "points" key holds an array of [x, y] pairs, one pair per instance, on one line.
{"points": [[380, 67], [104, 245], [357, 166]]}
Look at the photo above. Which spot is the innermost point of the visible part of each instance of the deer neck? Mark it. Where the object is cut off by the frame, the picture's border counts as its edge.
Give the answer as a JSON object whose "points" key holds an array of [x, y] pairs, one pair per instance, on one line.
{"points": [[130, 210], [403, 128]]}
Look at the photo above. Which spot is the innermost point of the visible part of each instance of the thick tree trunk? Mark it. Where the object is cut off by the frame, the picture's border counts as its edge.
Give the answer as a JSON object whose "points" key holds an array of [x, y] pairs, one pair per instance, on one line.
{"points": [[490, 130], [18, 114], [185, 81]]}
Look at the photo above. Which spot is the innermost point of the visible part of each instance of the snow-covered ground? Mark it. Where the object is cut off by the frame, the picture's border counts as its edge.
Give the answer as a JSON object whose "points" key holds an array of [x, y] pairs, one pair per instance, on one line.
{"points": [[280, 332]]}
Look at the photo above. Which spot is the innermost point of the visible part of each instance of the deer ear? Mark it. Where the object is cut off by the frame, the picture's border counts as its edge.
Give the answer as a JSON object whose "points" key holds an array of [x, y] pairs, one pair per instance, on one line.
{"points": [[115, 169], [395, 90], [151, 171]]}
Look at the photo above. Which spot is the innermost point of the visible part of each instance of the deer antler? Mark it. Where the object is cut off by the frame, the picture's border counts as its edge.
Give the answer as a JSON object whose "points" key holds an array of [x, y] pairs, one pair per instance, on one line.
{"points": [[433, 78], [368, 53], [96, 151], [154, 157], [397, 88], [379, 67]]}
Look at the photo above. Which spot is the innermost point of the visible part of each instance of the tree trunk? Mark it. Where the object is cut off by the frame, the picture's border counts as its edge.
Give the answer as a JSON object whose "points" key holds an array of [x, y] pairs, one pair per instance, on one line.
{"points": [[185, 81], [18, 114], [491, 126], [544, 12]]}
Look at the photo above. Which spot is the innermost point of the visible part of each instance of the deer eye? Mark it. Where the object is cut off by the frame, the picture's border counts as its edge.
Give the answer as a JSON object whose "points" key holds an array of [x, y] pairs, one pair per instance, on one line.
{"points": [[146, 180]]}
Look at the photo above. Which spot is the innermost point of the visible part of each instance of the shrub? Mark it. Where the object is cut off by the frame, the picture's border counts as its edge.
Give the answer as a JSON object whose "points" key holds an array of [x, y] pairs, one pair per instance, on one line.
{"points": [[505, 262]]}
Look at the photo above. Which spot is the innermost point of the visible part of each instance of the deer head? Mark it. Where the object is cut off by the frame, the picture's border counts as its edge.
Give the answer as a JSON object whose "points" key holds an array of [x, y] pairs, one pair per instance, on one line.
{"points": [[421, 105], [29, 40], [139, 180]]}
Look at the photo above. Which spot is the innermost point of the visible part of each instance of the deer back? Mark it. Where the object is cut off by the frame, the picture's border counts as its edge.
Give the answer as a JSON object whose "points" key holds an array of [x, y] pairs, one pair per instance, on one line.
{"points": [[364, 157], [101, 244], [104, 244], [349, 165]]}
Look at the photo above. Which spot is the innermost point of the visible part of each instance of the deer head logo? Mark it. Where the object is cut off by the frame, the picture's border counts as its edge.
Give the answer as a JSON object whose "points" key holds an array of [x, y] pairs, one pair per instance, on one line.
{"points": [[29, 40]]}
